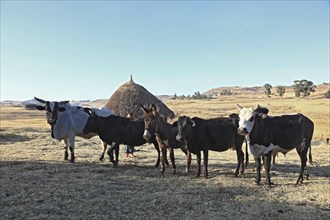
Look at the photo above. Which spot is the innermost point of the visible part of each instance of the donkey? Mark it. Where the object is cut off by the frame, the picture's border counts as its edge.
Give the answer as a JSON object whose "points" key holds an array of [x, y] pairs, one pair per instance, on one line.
{"points": [[165, 133]]}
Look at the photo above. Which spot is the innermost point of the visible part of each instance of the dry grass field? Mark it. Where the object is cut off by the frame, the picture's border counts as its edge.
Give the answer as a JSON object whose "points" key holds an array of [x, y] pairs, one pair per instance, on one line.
{"points": [[36, 183]]}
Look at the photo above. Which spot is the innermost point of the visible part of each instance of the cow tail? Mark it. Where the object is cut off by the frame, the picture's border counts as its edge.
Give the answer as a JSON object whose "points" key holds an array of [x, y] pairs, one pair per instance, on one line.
{"points": [[310, 160], [246, 153]]}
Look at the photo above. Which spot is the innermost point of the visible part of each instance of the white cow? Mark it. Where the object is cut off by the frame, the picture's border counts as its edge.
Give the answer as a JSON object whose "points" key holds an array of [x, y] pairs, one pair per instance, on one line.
{"points": [[68, 121]]}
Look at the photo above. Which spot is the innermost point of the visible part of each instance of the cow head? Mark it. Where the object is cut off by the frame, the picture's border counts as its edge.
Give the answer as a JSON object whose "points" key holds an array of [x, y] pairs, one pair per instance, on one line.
{"points": [[150, 122], [52, 109], [247, 118], [185, 125], [91, 124]]}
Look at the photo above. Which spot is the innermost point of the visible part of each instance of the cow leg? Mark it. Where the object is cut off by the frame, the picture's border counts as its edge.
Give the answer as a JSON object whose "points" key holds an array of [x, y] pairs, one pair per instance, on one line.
{"points": [[110, 153], [258, 169], [206, 159], [71, 142], [117, 154], [240, 163], [263, 164], [198, 164], [105, 145], [273, 167], [246, 155], [302, 151], [268, 158], [66, 154], [188, 162], [172, 159]]}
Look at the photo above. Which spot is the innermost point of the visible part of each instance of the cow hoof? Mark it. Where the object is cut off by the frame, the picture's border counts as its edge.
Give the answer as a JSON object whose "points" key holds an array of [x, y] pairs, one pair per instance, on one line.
{"points": [[236, 174], [162, 171], [157, 165], [206, 177], [307, 176], [71, 161], [257, 183], [174, 171]]}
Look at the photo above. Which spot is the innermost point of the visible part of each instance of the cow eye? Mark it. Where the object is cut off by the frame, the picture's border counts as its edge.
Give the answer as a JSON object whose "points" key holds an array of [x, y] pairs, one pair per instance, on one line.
{"points": [[251, 119]]}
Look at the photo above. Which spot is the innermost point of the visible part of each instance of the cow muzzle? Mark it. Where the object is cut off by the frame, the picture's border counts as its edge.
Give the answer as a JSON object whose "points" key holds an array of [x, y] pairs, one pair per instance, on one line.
{"points": [[179, 138], [242, 131], [51, 122]]}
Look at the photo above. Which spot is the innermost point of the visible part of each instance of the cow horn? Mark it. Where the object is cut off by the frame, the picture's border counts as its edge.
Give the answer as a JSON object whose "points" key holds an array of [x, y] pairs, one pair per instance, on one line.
{"points": [[40, 100], [193, 124], [239, 107], [254, 109], [63, 102]]}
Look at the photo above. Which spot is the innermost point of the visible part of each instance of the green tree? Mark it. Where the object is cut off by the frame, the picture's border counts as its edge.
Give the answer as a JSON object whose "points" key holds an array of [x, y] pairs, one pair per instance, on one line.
{"points": [[297, 88], [304, 87], [268, 88], [280, 90]]}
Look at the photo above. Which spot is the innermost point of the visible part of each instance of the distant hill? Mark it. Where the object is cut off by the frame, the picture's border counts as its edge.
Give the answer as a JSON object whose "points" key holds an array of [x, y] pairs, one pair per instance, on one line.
{"points": [[256, 91], [259, 91]]}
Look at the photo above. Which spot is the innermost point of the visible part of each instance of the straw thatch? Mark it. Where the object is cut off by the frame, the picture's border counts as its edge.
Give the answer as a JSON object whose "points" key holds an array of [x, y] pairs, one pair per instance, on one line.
{"points": [[129, 97]]}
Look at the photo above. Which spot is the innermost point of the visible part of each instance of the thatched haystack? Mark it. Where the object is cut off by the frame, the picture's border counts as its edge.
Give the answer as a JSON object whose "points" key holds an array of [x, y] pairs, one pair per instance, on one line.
{"points": [[129, 97]]}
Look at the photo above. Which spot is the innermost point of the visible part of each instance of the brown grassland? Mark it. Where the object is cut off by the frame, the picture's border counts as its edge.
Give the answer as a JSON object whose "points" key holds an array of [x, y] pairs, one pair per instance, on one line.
{"points": [[36, 183]]}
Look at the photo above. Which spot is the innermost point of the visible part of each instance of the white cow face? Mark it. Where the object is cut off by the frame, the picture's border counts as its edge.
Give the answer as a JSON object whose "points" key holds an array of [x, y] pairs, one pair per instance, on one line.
{"points": [[246, 120], [52, 109]]}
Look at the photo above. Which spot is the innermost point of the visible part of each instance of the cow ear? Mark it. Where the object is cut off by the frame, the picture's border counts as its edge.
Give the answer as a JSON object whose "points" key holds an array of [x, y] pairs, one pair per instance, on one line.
{"points": [[63, 102], [239, 107], [193, 124], [88, 111], [233, 115], [61, 109], [144, 109], [41, 108]]}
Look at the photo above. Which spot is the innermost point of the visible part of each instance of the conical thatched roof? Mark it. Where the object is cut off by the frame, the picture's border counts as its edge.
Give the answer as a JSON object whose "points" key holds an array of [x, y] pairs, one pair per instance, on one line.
{"points": [[129, 97]]}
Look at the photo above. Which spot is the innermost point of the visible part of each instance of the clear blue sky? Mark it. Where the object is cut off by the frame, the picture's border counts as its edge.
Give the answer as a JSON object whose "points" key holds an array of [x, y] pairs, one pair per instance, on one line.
{"points": [[85, 49]]}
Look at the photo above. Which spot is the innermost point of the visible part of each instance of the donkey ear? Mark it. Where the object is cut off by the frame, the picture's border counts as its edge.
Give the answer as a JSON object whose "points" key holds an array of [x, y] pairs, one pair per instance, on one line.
{"points": [[144, 109], [154, 109], [41, 108]]}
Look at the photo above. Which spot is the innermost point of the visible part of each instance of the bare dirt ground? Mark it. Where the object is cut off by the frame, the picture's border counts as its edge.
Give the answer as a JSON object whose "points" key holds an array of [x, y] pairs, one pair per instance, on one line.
{"points": [[36, 183]]}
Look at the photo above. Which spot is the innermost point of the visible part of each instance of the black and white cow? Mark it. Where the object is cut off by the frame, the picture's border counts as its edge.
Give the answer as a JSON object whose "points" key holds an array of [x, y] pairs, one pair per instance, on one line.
{"points": [[68, 121], [266, 135]]}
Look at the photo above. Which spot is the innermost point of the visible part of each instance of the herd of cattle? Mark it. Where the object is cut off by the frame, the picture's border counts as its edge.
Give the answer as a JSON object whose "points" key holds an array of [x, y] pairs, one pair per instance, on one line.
{"points": [[264, 135]]}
